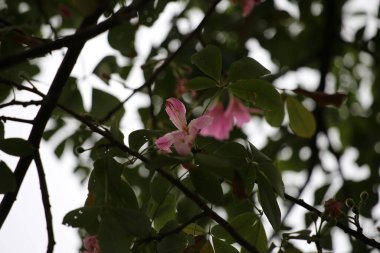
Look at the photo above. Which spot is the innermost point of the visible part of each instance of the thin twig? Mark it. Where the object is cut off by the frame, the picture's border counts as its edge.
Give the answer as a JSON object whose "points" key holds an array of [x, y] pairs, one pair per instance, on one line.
{"points": [[83, 35], [18, 86], [5, 118], [22, 103], [45, 202], [176, 230]]}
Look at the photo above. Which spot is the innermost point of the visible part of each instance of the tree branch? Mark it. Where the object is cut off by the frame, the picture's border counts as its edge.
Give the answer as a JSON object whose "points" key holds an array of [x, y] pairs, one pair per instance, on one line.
{"points": [[43, 116], [52, 97], [22, 103], [194, 197], [45, 202], [176, 230], [5, 118], [79, 37], [356, 234]]}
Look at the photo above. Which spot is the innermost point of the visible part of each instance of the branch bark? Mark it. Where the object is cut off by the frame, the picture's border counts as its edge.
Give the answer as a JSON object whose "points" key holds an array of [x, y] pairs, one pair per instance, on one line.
{"points": [[43, 116], [45, 202], [78, 38], [357, 234]]}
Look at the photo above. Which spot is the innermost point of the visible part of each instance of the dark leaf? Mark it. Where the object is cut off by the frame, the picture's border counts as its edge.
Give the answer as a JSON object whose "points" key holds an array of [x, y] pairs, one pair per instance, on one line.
{"points": [[209, 61], [322, 98], [16, 147], [7, 179], [262, 94], [246, 68], [207, 185], [201, 83], [268, 201]]}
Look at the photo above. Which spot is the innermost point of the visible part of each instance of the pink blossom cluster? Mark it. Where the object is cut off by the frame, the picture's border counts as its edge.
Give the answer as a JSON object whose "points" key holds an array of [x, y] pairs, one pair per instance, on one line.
{"points": [[217, 123], [333, 208], [224, 120], [183, 138], [91, 244]]}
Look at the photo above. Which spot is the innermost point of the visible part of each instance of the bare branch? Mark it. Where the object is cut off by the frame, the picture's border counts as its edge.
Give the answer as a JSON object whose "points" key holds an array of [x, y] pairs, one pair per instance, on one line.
{"points": [[45, 202], [22, 103], [357, 234], [79, 37], [5, 118]]}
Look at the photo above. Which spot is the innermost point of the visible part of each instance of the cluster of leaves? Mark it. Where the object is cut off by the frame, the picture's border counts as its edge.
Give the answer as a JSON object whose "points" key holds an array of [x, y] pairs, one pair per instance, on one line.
{"points": [[143, 201]]}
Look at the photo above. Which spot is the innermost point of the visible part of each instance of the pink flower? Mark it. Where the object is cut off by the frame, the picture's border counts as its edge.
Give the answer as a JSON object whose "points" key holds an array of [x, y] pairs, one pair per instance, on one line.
{"points": [[248, 5], [221, 124], [183, 138], [333, 208], [91, 244], [237, 110]]}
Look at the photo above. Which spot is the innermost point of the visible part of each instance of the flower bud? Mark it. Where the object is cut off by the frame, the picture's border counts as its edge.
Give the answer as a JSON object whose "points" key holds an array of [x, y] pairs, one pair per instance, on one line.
{"points": [[79, 150], [350, 203], [364, 195]]}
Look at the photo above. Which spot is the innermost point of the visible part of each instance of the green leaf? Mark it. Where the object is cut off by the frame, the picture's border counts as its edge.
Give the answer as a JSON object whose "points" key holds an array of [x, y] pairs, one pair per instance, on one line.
{"points": [[209, 61], [220, 166], [103, 103], [122, 37], [16, 147], [302, 122], [268, 201], [139, 137], [246, 68], [5, 90], [201, 83], [257, 236], [70, 97], [164, 211], [194, 229], [119, 190], [159, 188], [267, 167], [7, 179], [223, 247], [264, 95], [106, 67], [207, 185], [135, 222], [82, 217], [1, 130], [165, 160], [242, 223], [172, 244], [112, 236]]}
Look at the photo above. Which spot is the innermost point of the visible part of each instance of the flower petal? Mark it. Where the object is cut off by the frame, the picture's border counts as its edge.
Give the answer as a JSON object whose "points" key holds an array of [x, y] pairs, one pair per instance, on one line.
{"points": [[220, 126], [165, 142], [237, 110], [182, 142], [248, 6], [198, 124], [177, 113]]}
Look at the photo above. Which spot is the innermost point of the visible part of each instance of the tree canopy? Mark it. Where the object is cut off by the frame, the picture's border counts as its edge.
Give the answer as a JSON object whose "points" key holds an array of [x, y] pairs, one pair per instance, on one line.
{"points": [[192, 179]]}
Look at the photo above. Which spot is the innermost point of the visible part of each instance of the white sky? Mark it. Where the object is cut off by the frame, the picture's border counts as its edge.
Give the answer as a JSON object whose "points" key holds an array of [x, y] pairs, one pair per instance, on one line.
{"points": [[25, 231]]}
